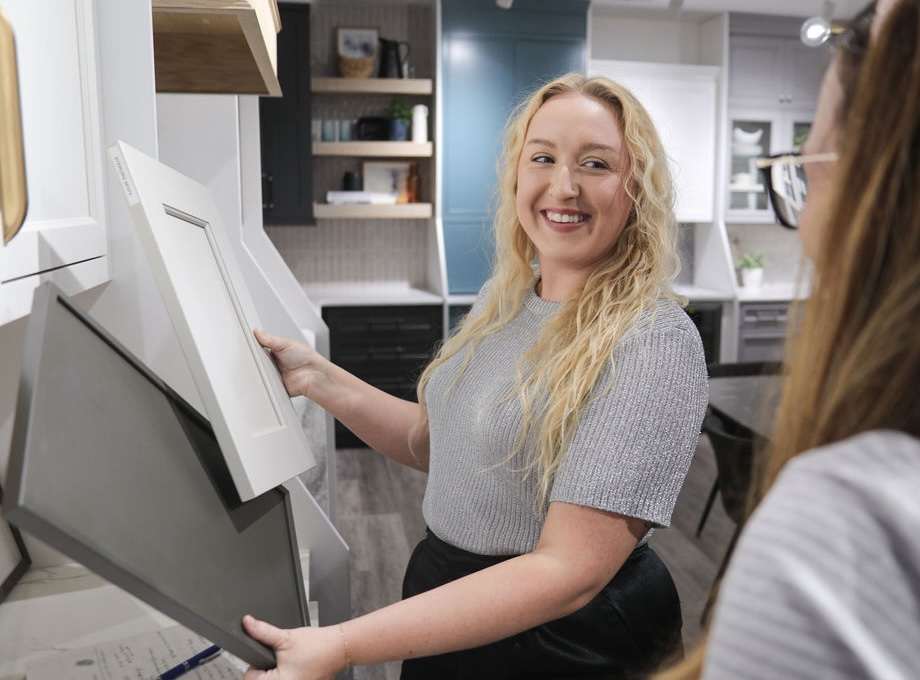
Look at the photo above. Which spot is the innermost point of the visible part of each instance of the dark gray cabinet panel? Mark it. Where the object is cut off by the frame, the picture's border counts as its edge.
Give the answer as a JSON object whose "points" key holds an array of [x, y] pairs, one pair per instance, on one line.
{"points": [[287, 157]]}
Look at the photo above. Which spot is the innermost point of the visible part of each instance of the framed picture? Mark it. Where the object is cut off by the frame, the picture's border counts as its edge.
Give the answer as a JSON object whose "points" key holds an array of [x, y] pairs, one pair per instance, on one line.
{"points": [[14, 560], [387, 177], [356, 43]]}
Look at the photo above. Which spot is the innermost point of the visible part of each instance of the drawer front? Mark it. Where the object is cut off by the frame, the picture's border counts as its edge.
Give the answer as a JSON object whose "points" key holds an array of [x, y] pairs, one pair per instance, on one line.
{"points": [[387, 347]]}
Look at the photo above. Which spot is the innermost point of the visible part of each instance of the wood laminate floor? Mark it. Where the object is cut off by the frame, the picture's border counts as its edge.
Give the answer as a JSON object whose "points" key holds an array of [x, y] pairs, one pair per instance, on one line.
{"points": [[379, 516]]}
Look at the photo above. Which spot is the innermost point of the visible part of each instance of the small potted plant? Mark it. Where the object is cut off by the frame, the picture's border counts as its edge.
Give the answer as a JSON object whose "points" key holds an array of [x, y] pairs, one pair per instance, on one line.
{"points": [[751, 267], [400, 115]]}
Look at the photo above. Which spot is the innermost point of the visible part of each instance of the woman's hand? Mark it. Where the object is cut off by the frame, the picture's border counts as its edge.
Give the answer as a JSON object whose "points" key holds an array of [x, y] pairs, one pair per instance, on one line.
{"points": [[300, 653], [300, 365], [381, 420]]}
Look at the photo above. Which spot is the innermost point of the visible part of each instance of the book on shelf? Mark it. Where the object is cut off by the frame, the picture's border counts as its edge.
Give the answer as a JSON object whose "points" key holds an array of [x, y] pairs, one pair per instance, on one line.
{"points": [[359, 197]]}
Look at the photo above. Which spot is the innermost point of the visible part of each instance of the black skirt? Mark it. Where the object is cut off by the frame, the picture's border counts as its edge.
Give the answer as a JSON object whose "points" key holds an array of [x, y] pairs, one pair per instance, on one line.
{"points": [[627, 631]]}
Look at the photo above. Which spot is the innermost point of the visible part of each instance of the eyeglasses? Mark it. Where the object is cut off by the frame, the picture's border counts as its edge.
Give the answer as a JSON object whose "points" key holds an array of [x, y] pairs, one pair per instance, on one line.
{"points": [[784, 177]]}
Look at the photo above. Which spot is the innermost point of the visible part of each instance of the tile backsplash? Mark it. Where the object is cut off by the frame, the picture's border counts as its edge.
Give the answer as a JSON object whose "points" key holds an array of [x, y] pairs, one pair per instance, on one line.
{"points": [[355, 251], [781, 248]]}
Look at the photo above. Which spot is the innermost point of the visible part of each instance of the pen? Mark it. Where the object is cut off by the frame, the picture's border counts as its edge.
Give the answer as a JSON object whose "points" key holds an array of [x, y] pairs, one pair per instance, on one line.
{"points": [[189, 664]]}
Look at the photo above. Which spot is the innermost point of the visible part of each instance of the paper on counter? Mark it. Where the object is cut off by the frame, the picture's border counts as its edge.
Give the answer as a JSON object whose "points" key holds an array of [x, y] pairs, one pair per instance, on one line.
{"points": [[139, 657]]}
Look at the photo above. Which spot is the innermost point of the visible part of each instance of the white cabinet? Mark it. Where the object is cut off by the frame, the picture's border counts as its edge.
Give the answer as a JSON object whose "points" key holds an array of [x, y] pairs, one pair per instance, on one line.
{"points": [[753, 133], [768, 71], [63, 237], [773, 88], [681, 99]]}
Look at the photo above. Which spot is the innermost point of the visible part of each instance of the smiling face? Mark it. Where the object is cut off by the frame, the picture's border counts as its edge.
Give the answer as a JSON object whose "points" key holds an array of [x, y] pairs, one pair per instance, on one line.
{"points": [[571, 189]]}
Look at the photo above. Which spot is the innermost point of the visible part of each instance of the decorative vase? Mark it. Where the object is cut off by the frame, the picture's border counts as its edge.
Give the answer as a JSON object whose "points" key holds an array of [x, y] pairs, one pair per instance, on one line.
{"points": [[399, 130], [752, 278]]}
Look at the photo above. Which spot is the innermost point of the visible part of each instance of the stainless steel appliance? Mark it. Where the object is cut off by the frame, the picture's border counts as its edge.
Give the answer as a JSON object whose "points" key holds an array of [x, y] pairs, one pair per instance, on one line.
{"points": [[762, 331]]}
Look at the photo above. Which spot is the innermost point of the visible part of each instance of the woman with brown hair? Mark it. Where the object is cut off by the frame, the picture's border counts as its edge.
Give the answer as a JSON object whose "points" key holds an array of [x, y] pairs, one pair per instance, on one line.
{"points": [[825, 580]]}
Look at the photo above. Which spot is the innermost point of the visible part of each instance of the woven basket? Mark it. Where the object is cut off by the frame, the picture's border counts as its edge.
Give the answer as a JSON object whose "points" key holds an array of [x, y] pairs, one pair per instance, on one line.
{"points": [[360, 67]]}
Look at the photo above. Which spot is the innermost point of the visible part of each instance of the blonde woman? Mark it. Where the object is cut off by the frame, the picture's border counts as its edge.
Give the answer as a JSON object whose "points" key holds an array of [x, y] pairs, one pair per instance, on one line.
{"points": [[556, 425], [825, 579]]}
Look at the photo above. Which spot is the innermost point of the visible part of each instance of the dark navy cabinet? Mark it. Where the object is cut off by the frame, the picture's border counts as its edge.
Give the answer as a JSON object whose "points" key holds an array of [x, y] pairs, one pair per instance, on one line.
{"points": [[386, 346], [491, 59], [287, 152]]}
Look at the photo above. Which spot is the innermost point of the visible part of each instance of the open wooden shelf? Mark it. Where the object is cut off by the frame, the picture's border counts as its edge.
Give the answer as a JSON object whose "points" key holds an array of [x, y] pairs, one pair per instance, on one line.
{"points": [[216, 46], [365, 211], [405, 86], [382, 149]]}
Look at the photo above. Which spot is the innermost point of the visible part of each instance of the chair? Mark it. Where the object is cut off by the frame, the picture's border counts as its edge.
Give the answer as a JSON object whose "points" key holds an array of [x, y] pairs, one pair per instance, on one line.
{"points": [[734, 455], [733, 441]]}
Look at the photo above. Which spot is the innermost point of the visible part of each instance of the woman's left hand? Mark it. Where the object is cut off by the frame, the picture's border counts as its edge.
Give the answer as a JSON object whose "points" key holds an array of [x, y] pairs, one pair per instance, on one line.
{"points": [[300, 653]]}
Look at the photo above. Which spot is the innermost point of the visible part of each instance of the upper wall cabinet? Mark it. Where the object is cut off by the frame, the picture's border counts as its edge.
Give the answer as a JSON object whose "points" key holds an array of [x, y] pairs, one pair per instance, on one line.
{"points": [[773, 89], [769, 72], [681, 99], [216, 46], [63, 237], [284, 122]]}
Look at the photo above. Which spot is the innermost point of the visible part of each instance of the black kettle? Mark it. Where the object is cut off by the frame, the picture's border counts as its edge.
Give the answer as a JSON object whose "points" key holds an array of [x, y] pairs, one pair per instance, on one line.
{"points": [[394, 59]]}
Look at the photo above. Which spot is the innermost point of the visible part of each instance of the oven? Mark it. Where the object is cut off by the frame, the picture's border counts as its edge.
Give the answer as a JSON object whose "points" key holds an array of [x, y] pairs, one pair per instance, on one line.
{"points": [[762, 331]]}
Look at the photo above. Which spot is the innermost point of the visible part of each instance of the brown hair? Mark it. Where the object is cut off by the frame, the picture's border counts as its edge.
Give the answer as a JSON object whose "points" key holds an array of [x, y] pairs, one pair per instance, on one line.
{"points": [[853, 363]]}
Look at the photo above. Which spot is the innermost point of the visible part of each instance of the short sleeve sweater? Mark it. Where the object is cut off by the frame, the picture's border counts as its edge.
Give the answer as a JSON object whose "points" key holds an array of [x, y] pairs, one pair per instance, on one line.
{"points": [[629, 455]]}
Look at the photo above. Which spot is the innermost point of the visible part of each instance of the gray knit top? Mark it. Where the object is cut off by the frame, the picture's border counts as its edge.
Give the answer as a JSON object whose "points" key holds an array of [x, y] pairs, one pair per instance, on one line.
{"points": [[629, 455]]}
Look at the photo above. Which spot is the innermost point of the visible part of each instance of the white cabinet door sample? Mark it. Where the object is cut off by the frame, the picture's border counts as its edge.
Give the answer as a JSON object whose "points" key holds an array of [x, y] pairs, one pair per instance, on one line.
{"points": [[194, 265], [681, 99]]}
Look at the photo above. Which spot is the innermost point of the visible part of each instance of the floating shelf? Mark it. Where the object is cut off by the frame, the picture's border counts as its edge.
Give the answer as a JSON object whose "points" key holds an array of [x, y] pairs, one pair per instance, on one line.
{"points": [[376, 211], [375, 149], [216, 46], [406, 86]]}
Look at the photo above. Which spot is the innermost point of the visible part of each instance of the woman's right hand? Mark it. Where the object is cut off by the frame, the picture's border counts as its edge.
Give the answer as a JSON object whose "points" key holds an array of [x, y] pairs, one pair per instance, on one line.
{"points": [[381, 420], [300, 365]]}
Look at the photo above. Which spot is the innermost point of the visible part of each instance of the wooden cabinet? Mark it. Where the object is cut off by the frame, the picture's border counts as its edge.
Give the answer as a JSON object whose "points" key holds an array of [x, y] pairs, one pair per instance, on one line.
{"points": [[385, 346], [350, 95], [216, 46], [287, 161], [63, 238]]}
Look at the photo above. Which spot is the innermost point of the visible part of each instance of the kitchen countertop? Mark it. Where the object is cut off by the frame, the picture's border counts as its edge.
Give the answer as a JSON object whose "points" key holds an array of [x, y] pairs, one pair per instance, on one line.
{"points": [[372, 294], [347, 294], [769, 292]]}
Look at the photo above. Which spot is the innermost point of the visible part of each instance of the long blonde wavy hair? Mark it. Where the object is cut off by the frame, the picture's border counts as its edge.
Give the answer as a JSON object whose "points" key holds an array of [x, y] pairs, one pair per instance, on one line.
{"points": [[558, 373], [853, 364]]}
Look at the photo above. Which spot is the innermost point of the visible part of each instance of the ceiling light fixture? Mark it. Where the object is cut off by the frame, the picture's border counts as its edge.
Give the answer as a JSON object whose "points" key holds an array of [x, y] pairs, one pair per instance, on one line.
{"points": [[815, 31], [504, 4]]}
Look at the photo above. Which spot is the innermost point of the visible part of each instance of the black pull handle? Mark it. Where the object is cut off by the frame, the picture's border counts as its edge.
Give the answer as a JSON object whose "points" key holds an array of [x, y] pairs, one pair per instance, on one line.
{"points": [[268, 201]]}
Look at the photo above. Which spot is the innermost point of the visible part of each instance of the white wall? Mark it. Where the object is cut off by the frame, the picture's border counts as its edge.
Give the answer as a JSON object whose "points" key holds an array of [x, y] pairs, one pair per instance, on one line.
{"points": [[632, 39]]}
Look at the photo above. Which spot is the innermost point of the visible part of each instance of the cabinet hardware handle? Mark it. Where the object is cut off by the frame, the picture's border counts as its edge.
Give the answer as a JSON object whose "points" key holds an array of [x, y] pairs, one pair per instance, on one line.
{"points": [[268, 197], [13, 194]]}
